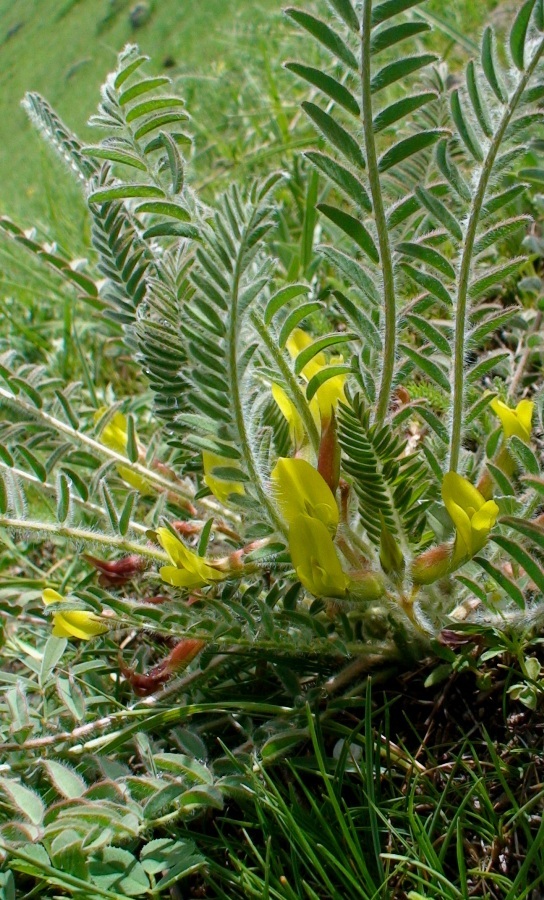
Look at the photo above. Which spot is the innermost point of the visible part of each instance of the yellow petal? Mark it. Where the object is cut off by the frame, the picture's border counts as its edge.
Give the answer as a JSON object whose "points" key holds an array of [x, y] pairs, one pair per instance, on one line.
{"points": [[77, 623], [51, 596], [299, 340], [514, 421], [180, 577], [301, 490], [220, 489], [330, 394], [136, 481], [472, 515], [114, 434], [458, 490], [314, 558], [289, 411], [183, 558], [482, 522], [524, 412]]}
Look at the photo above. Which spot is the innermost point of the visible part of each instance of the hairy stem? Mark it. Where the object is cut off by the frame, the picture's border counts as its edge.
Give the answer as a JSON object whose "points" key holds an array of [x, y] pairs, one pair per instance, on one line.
{"points": [[85, 505], [182, 493], [386, 259], [526, 354], [83, 534], [466, 260], [237, 405]]}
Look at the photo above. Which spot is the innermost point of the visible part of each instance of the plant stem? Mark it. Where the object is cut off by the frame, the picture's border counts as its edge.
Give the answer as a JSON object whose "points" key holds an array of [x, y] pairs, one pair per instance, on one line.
{"points": [[85, 505], [183, 494], [234, 379], [466, 261], [83, 534], [390, 335], [525, 356]]}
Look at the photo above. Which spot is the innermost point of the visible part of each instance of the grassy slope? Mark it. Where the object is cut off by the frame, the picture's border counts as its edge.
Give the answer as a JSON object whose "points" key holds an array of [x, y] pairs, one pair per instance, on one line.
{"points": [[64, 49]]}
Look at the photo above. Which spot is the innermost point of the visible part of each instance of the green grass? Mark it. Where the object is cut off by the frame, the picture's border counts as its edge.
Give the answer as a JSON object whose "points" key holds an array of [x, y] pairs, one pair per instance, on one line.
{"points": [[64, 49]]}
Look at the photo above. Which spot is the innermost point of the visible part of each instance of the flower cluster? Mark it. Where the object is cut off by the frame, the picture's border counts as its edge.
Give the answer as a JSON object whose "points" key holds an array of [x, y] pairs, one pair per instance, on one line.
{"points": [[114, 435], [310, 511], [473, 517], [325, 399], [188, 569]]}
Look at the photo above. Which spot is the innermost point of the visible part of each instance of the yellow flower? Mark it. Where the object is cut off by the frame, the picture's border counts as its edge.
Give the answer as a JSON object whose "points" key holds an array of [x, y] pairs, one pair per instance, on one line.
{"points": [[514, 421], [472, 515], [74, 623], [301, 490], [290, 413], [188, 570], [328, 395], [114, 435], [315, 559], [220, 489], [325, 399]]}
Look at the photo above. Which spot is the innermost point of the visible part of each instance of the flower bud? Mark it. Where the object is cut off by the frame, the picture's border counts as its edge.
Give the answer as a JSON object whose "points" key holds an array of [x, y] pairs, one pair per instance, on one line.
{"points": [[328, 461], [114, 573], [432, 564], [365, 585]]}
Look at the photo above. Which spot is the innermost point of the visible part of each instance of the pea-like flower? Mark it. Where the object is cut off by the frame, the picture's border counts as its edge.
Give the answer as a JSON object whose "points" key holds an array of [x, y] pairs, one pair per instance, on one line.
{"points": [[220, 488], [188, 570], [74, 623], [515, 422], [314, 558], [325, 399], [114, 435], [301, 490], [472, 515]]}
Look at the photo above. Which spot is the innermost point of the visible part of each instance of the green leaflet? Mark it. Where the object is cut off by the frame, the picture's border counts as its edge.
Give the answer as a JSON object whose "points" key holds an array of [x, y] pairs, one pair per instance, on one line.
{"points": [[491, 66], [518, 34], [353, 228], [142, 87], [336, 134], [281, 297], [429, 255], [324, 34], [342, 178], [328, 85], [432, 369], [400, 109], [465, 129], [388, 37], [389, 8], [407, 147], [395, 71], [495, 276], [478, 101], [346, 12], [323, 343], [507, 585], [124, 192]]}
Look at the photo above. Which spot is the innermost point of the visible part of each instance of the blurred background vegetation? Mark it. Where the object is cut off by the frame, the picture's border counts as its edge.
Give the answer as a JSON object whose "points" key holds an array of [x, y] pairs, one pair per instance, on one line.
{"points": [[215, 50]]}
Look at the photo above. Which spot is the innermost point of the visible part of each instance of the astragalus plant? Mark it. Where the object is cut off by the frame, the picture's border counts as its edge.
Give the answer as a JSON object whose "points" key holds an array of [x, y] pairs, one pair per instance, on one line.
{"points": [[335, 468]]}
